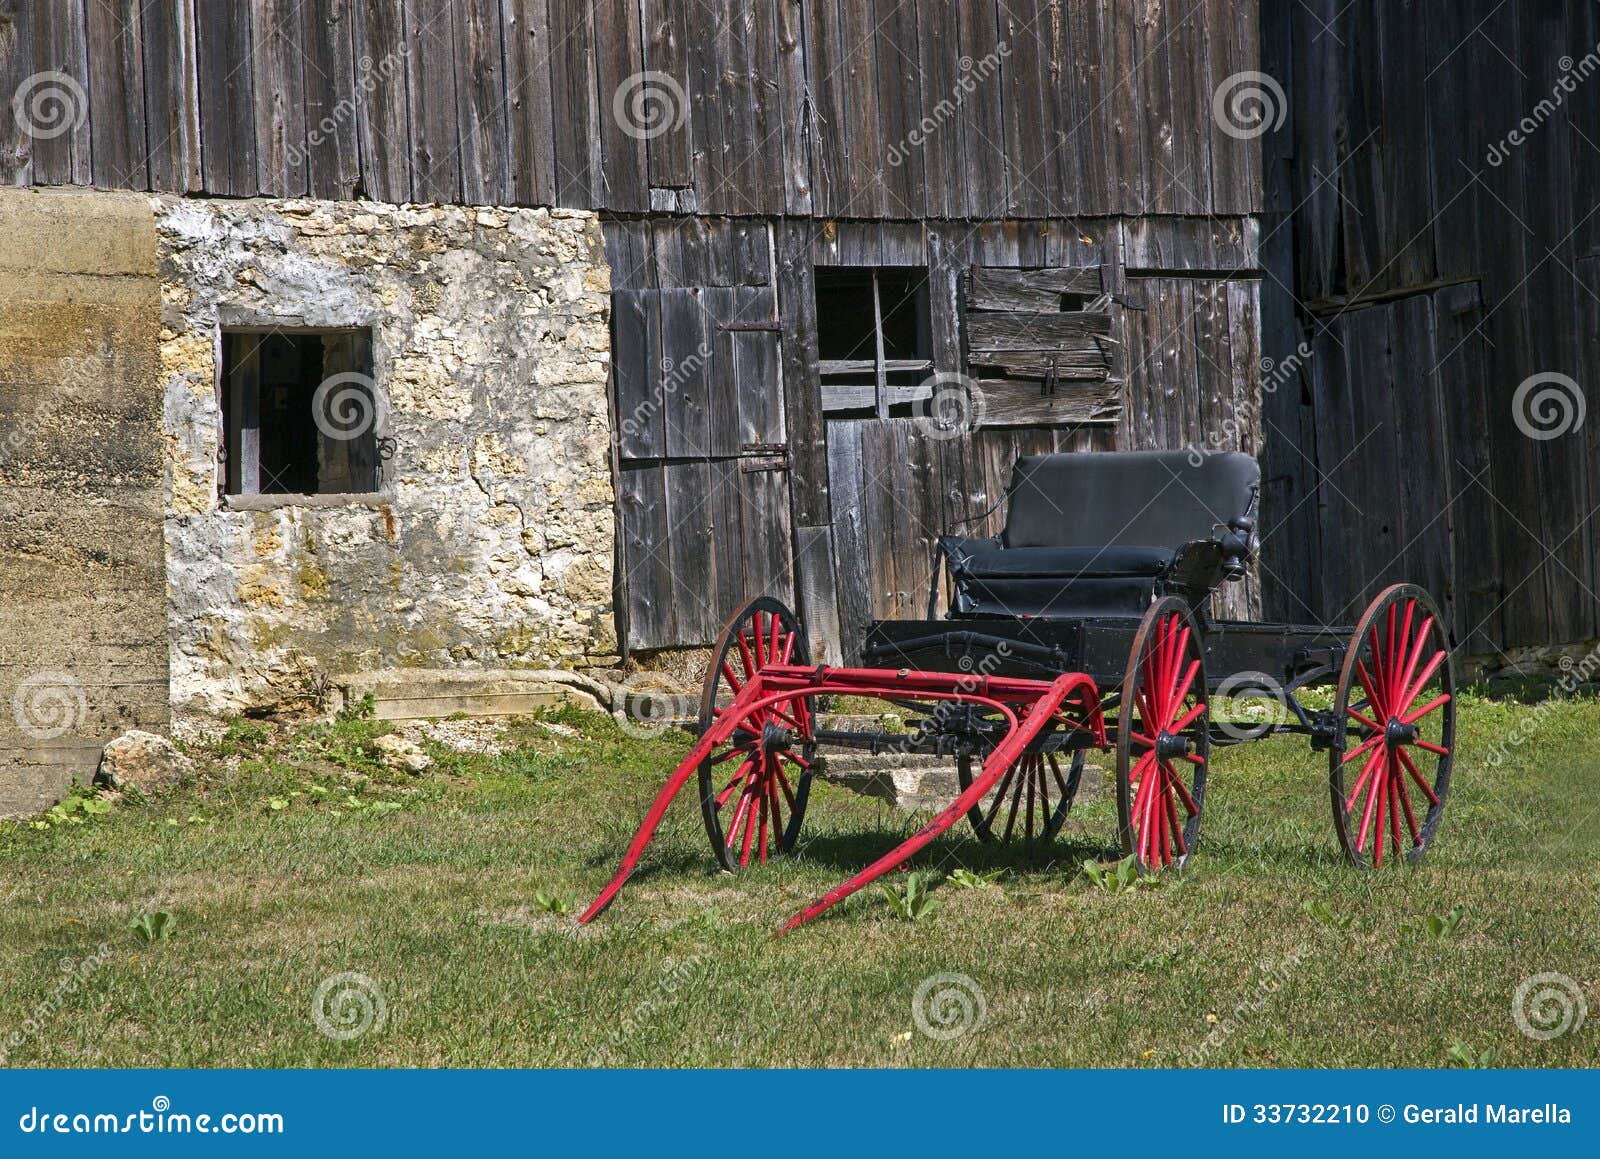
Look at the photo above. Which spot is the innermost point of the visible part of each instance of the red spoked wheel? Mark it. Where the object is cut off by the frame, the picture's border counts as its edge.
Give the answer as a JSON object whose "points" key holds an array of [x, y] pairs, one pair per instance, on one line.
{"points": [[1163, 739], [1031, 799], [753, 789], [1394, 729]]}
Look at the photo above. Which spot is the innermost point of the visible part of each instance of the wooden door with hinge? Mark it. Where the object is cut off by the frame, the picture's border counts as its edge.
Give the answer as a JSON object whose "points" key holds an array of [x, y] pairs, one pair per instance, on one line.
{"points": [[702, 460]]}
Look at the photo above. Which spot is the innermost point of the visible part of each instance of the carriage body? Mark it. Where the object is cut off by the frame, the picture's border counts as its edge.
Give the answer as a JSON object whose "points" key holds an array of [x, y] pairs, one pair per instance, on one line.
{"points": [[1084, 624]]}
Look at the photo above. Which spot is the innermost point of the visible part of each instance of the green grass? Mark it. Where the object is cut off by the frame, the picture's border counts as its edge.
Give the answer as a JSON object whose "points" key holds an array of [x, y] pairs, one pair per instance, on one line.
{"points": [[292, 856]]}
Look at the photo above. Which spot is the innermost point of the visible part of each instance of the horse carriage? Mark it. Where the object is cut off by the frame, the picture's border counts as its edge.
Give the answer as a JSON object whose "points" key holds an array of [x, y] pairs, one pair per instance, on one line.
{"points": [[1084, 624]]}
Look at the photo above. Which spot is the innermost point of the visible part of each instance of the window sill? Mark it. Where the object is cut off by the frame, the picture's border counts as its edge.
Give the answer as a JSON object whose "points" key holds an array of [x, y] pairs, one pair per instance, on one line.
{"points": [[274, 502]]}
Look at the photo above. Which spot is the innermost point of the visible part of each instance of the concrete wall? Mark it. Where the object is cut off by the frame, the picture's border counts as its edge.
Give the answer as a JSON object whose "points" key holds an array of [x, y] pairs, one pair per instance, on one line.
{"points": [[490, 545], [83, 650]]}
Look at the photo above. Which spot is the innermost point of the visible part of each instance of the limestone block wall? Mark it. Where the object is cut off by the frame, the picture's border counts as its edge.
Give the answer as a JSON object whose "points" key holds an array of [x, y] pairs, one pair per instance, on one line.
{"points": [[83, 642], [490, 541]]}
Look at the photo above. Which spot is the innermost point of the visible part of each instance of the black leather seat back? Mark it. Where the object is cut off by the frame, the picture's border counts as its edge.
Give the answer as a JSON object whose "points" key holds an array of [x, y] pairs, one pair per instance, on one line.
{"points": [[1126, 498]]}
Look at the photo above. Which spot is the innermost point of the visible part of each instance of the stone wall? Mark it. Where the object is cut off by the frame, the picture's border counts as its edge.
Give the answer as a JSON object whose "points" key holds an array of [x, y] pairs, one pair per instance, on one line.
{"points": [[83, 647], [490, 541]]}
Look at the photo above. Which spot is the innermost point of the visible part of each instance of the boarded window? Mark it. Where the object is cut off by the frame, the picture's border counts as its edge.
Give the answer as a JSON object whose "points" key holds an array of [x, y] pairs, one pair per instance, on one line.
{"points": [[1039, 347], [300, 413]]}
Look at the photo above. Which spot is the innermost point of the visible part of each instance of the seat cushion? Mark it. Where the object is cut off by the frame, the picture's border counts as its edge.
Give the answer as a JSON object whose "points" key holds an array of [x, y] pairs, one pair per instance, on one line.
{"points": [[1065, 563]]}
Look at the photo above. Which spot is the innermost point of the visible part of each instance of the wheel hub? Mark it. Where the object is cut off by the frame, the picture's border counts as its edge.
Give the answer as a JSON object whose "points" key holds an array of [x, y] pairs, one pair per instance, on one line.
{"points": [[775, 738], [1170, 745], [1397, 733]]}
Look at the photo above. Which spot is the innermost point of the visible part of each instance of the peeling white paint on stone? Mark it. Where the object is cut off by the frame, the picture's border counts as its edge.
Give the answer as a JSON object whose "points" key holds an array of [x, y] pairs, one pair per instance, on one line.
{"points": [[492, 544]]}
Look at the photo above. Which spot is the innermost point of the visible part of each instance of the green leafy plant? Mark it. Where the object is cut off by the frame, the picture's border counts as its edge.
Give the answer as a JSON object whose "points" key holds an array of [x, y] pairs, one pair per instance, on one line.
{"points": [[966, 879], [1326, 916], [1462, 1055], [1120, 878], [551, 903], [1435, 926], [153, 927], [914, 903], [81, 805]]}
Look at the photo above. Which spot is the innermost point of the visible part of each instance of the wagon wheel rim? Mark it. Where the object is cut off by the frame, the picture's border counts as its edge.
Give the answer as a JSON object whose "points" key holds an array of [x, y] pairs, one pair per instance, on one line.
{"points": [[1031, 800], [1394, 724], [754, 787], [1163, 733]]}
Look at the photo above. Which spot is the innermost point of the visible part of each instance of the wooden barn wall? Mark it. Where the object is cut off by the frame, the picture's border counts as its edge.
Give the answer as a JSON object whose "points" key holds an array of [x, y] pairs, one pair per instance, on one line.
{"points": [[1434, 265], [844, 516], [899, 109]]}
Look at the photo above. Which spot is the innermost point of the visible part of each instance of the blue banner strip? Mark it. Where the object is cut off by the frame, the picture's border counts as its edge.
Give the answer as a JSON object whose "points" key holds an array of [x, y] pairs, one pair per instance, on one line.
{"points": [[774, 1113]]}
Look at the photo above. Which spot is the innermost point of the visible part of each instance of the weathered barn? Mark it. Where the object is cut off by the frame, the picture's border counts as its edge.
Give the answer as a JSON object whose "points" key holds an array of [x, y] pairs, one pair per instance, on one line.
{"points": [[488, 334]]}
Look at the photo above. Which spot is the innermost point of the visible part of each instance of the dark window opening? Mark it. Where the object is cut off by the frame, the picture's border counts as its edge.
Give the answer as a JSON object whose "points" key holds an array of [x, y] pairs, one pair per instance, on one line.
{"points": [[874, 339], [299, 413]]}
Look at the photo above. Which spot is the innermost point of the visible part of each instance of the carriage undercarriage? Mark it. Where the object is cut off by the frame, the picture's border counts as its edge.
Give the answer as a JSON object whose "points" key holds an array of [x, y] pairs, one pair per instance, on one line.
{"points": [[1019, 700]]}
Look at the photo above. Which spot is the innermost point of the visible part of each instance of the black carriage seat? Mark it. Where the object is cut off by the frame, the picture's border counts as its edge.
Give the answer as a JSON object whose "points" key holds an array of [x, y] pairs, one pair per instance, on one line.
{"points": [[1104, 533]]}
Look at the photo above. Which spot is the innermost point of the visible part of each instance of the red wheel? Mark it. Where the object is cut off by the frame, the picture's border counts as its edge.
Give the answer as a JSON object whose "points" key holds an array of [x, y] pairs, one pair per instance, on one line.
{"points": [[753, 789], [1163, 738], [1395, 726], [1036, 787]]}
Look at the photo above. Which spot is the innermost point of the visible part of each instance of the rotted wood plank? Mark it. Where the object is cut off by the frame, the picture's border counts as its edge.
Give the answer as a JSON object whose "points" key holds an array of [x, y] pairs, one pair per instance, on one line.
{"points": [[227, 87], [278, 63], [1029, 291], [528, 103], [116, 89], [816, 591], [1423, 471], [382, 112], [1008, 403], [1030, 124], [725, 516], [332, 150], [1004, 331]]}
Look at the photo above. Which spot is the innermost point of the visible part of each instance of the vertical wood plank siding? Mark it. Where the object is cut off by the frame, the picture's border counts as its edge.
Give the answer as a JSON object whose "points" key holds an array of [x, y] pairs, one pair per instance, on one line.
{"points": [[868, 109]]}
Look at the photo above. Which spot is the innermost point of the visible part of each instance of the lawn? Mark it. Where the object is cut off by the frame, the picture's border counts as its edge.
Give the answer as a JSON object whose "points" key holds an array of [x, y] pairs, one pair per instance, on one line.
{"points": [[293, 856]]}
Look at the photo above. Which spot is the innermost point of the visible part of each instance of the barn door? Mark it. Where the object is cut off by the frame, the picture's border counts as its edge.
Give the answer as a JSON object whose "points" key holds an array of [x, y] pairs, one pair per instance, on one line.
{"points": [[702, 460]]}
